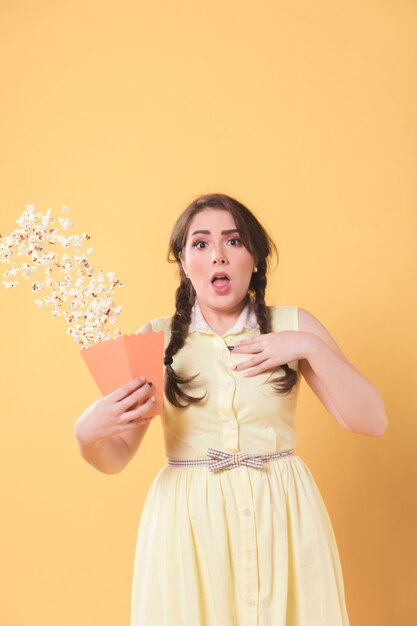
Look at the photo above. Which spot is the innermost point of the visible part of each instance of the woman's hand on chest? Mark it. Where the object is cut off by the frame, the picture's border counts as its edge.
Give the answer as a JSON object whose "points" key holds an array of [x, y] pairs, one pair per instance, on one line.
{"points": [[274, 349]]}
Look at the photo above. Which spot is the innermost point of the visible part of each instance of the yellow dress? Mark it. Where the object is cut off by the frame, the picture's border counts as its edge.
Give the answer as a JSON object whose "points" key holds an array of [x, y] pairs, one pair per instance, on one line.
{"points": [[243, 546]]}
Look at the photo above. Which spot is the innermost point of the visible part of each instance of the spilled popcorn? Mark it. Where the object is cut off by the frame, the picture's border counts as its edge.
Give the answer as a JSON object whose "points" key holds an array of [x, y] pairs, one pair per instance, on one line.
{"points": [[69, 285]]}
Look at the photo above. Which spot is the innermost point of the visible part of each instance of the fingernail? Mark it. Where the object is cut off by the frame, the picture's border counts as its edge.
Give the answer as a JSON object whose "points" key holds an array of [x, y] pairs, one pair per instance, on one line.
{"points": [[153, 398]]}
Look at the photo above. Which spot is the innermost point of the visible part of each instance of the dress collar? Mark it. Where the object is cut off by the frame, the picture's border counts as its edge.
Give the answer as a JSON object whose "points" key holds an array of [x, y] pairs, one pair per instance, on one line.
{"points": [[246, 319]]}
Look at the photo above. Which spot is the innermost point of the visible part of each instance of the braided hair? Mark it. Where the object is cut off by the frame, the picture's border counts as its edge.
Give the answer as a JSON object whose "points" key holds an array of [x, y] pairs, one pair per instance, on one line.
{"points": [[259, 243]]}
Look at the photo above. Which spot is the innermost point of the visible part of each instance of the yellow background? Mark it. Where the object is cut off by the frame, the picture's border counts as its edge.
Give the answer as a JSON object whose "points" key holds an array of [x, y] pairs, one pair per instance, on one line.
{"points": [[304, 111]]}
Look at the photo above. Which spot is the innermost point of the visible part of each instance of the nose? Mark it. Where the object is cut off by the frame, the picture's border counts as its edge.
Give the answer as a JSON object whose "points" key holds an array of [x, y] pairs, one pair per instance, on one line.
{"points": [[218, 257]]}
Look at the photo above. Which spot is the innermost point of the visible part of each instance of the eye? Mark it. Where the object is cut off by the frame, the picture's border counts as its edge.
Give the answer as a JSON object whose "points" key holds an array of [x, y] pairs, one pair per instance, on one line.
{"points": [[236, 239], [196, 244]]}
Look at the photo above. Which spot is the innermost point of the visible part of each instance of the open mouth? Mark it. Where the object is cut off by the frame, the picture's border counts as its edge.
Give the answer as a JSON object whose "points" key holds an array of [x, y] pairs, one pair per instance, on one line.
{"points": [[220, 278], [220, 282]]}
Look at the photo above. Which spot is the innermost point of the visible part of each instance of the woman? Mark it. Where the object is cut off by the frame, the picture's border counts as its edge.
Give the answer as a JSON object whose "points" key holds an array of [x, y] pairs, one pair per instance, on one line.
{"points": [[233, 530]]}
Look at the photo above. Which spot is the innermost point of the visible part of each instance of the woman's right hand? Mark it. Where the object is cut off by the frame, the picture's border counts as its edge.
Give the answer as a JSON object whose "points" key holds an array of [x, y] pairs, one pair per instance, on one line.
{"points": [[115, 412]]}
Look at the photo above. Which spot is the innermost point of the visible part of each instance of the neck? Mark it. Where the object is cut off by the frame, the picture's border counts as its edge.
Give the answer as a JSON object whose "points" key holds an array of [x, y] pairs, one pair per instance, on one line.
{"points": [[220, 320]]}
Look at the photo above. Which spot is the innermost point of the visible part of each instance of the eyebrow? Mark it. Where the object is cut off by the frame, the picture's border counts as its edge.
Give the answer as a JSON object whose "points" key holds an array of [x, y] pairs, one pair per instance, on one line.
{"points": [[224, 232]]}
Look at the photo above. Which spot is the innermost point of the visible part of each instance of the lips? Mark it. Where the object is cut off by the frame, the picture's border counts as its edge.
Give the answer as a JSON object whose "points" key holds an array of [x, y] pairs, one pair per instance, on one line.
{"points": [[220, 276], [221, 283]]}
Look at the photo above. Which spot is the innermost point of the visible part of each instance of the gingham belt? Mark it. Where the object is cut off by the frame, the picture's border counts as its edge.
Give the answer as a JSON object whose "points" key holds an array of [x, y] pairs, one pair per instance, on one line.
{"points": [[219, 460]]}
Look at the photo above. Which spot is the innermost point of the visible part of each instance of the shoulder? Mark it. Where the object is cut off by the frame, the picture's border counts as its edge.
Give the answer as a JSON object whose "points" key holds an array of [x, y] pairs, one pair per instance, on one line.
{"points": [[307, 322], [297, 318], [283, 317], [156, 324]]}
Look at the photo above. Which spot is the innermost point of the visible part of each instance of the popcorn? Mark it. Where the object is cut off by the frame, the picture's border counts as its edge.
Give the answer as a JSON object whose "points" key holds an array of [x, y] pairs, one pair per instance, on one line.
{"points": [[65, 223], [75, 291]]}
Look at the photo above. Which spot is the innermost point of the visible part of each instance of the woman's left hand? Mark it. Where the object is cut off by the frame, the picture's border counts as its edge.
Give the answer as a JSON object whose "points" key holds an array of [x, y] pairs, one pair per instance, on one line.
{"points": [[273, 349]]}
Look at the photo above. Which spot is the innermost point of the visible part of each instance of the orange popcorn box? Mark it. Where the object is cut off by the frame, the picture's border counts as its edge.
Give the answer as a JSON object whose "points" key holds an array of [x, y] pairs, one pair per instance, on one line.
{"points": [[116, 361]]}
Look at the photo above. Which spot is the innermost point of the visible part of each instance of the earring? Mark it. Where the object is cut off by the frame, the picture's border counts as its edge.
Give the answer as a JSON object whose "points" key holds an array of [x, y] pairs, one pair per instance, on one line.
{"points": [[255, 269]]}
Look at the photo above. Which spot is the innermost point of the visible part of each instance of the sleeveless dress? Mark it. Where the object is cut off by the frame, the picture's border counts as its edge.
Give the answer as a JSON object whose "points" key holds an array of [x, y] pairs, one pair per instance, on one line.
{"points": [[243, 546]]}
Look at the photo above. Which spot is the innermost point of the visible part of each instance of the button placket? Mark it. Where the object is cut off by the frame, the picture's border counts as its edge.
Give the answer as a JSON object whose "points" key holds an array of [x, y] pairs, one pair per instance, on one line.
{"points": [[249, 548], [225, 400], [241, 479]]}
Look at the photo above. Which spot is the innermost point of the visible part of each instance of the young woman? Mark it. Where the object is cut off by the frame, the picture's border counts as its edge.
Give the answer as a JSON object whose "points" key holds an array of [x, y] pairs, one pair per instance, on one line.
{"points": [[233, 531]]}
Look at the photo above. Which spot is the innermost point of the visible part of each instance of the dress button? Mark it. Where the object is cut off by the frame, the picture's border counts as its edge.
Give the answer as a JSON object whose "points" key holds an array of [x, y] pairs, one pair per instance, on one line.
{"points": [[247, 512], [231, 424], [229, 384], [250, 602]]}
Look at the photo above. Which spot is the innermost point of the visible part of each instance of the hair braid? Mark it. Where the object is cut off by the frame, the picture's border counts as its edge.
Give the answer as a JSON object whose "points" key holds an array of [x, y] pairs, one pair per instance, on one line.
{"points": [[184, 300], [285, 383]]}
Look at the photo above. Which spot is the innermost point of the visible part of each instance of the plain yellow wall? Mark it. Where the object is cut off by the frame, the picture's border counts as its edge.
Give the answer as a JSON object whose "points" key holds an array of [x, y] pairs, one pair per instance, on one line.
{"points": [[304, 111]]}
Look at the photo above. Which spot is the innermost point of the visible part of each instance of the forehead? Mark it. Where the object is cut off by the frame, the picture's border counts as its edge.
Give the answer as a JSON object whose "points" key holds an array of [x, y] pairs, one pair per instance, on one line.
{"points": [[214, 220]]}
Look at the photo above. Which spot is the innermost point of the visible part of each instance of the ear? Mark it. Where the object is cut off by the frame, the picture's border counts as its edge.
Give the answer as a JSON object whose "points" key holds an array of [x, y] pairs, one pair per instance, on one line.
{"points": [[183, 262]]}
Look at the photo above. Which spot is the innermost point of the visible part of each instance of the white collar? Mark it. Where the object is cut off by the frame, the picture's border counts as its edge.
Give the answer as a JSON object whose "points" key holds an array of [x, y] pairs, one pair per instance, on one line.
{"points": [[246, 319]]}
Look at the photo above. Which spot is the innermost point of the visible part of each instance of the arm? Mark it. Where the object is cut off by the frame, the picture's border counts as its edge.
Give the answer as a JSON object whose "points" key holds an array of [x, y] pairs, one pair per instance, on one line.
{"points": [[109, 456], [350, 398]]}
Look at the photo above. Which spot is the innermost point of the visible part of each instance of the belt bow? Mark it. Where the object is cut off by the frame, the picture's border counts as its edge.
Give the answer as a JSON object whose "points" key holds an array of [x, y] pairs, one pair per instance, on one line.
{"points": [[224, 460]]}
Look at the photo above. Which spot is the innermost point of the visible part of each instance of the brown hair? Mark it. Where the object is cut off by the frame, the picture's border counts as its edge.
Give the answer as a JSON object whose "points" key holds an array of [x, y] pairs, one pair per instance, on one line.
{"points": [[260, 245]]}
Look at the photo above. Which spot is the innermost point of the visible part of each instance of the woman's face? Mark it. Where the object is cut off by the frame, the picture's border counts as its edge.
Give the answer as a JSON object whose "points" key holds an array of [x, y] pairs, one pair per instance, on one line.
{"points": [[213, 246]]}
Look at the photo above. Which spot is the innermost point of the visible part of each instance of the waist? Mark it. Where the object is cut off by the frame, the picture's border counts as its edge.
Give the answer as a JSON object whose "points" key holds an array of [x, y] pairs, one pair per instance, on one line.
{"points": [[219, 460]]}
